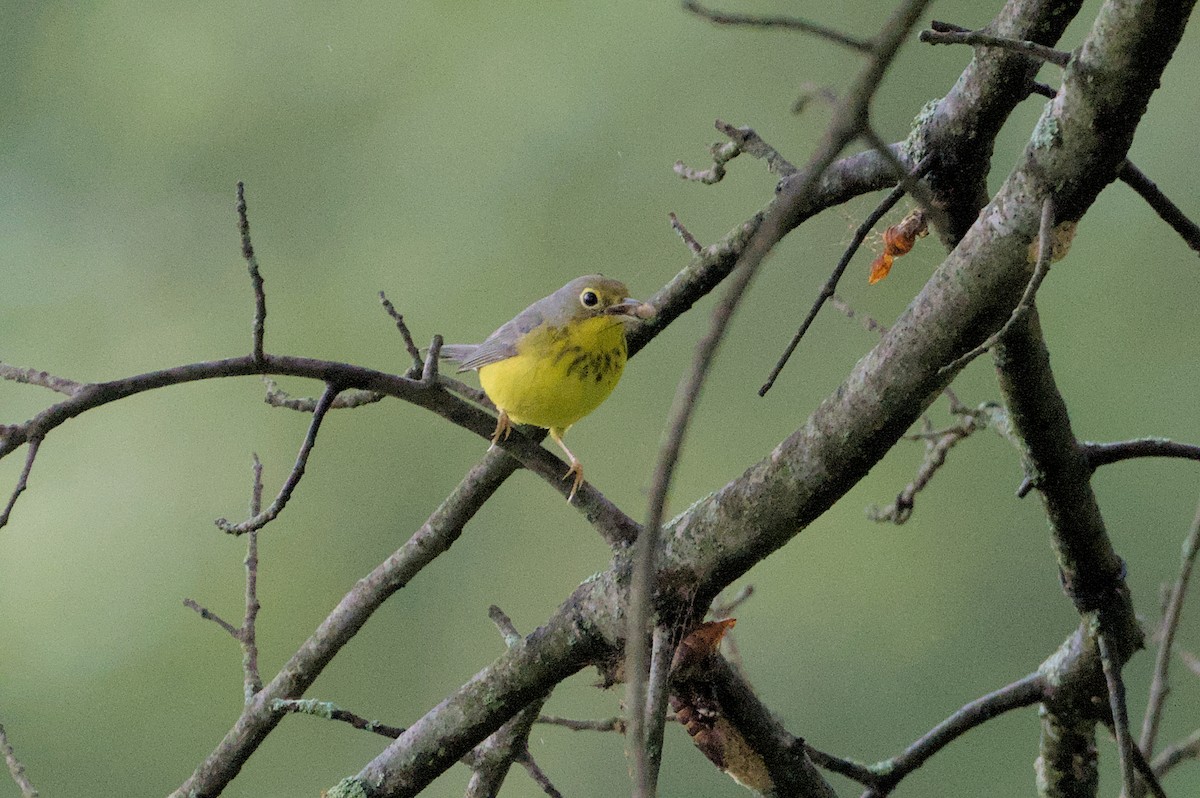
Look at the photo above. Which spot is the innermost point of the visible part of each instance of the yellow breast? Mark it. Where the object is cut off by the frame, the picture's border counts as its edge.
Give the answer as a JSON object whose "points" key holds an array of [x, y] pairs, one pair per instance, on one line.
{"points": [[559, 374]]}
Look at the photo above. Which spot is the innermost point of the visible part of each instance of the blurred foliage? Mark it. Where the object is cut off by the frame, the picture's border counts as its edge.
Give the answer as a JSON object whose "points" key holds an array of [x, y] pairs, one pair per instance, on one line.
{"points": [[468, 160]]}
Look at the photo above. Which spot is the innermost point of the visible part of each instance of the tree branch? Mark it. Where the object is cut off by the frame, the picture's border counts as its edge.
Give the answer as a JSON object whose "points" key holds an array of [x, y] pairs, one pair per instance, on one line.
{"points": [[849, 121], [1022, 693], [1159, 686], [786, 23], [260, 520], [15, 768], [943, 34]]}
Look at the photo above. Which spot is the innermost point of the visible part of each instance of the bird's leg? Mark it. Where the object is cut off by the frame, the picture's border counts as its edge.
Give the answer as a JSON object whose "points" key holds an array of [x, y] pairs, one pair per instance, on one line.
{"points": [[503, 427], [576, 467]]}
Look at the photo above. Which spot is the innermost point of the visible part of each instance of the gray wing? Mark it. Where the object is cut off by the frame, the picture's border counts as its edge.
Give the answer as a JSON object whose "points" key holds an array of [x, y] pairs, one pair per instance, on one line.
{"points": [[500, 345]]}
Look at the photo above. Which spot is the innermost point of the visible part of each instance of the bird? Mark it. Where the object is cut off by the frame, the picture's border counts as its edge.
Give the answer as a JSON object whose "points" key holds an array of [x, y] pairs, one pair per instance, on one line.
{"points": [[555, 361]]}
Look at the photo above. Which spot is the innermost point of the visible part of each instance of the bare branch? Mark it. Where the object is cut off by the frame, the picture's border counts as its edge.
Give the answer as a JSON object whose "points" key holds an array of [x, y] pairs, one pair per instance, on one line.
{"points": [[15, 768], [433, 538], [491, 760], [847, 123], [277, 397], [1022, 693], [209, 615], [614, 724], [1025, 304], [1099, 454], [538, 775], [256, 280], [252, 679], [1120, 715], [645, 783], [785, 23], [285, 493], [689, 240], [507, 629], [722, 153], [827, 290], [42, 379], [1159, 687], [944, 34], [1161, 203], [409, 345], [1176, 754], [938, 446], [429, 372], [751, 143], [330, 711], [22, 480]]}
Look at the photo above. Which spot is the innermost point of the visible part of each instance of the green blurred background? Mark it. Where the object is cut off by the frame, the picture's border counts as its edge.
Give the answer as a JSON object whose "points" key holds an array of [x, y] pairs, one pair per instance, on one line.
{"points": [[468, 158]]}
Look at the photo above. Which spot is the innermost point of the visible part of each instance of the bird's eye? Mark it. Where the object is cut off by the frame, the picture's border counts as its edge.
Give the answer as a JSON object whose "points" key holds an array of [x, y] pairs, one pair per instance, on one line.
{"points": [[589, 298]]}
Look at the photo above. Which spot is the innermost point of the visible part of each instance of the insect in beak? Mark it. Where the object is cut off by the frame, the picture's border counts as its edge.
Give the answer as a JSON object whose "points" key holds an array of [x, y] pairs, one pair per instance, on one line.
{"points": [[631, 307]]}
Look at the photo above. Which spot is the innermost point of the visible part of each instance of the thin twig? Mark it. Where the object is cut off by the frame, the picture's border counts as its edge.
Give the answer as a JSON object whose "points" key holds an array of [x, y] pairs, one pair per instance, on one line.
{"points": [[508, 630], [15, 767], [1099, 454], [722, 153], [22, 479], [689, 240], [614, 724], [429, 371], [491, 760], [938, 446], [785, 23], [868, 322], [827, 290], [720, 610], [980, 39], [845, 125], [285, 493], [277, 397], [1120, 715], [855, 771], [1176, 753], [330, 711], [749, 142], [42, 379], [1159, 686], [1146, 773], [256, 280], [1161, 203], [662, 651], [909, 181], [409, 344], [209, 615], [1022, 693], [538, 775], [252, 679], [1040, 270]]}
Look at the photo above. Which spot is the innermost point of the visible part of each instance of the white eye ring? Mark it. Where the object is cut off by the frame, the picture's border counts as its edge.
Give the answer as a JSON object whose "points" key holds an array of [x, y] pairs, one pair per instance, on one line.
{"points": [[589, 298]]}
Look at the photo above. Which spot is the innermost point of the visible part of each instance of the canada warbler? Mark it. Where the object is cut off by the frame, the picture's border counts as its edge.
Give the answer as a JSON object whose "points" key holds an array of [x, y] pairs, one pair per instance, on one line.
{"points": [[557, 360]]}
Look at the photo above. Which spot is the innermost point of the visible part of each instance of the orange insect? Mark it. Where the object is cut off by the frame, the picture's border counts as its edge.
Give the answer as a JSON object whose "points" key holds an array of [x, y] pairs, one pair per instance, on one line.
{"points": [[898, 240]]}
